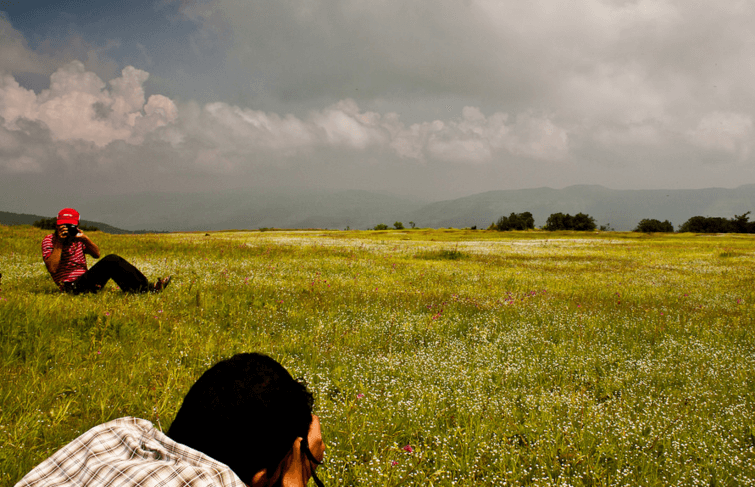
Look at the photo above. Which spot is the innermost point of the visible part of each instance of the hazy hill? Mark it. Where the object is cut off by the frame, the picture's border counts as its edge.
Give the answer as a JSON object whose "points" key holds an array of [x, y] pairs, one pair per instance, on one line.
{"points": [[250, 209], [622, 209], [7, 218]]}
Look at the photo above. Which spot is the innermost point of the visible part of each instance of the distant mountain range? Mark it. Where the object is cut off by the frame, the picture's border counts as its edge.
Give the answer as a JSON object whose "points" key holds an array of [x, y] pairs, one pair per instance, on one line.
{"points": [[621, 209]]}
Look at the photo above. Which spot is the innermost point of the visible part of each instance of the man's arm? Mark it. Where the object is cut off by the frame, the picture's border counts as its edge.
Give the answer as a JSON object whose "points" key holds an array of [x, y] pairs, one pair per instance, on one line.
{"points": [[52, 261], [89, 246]]}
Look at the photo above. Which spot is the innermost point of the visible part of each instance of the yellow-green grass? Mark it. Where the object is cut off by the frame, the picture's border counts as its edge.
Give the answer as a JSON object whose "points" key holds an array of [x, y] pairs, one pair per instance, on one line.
{"points": [[515, 358]]}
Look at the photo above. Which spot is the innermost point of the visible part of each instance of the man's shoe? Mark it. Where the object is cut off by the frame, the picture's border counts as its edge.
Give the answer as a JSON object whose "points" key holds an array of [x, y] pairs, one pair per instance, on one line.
{"points": [[161, 284]]}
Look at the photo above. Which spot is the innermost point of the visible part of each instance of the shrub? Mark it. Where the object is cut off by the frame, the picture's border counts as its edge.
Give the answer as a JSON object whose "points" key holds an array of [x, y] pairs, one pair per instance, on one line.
{"points": [[398, 226], [381, 226], [651, 225], [445, 254]]}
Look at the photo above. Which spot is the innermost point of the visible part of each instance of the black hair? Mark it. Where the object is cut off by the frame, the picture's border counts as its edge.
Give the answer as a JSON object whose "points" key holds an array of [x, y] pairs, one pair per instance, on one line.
{"points": [[246, 412]]}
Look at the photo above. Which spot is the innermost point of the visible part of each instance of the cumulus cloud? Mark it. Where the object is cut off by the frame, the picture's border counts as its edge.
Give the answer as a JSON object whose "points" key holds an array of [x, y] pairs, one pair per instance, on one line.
{"points": [[78, 106], [473, 138]]}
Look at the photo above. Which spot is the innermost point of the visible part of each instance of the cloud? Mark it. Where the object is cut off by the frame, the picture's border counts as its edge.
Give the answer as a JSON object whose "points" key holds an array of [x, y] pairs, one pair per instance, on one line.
{"points": [[511, 55], [77, 106], [474, 138], [17, 58], [81, 112], [724, 131], [15, 54]]}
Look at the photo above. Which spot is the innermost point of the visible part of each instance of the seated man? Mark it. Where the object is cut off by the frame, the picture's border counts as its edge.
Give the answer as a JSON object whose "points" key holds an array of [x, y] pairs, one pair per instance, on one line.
{"points": [[246, 421], [63, 253]]}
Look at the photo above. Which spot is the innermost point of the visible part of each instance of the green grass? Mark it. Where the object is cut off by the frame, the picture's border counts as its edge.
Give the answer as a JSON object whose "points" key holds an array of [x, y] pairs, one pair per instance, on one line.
{"points": [[515, 358]]}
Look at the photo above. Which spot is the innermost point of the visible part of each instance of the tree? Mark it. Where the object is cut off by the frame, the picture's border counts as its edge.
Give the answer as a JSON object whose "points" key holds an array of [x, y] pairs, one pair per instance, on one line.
{"points": [[558, 221], [741, 225], [651, 225], [381, 226], [52, 223], [398, 226], [46, 223], [583, 222], [503, 224], [412, 224], [515, 221], [580, 222], [717, 224]]}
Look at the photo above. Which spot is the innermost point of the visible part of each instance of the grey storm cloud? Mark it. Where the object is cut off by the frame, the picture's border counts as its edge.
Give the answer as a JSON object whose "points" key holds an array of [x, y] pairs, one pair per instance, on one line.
{"points": [[546, 56], [423, 96]]}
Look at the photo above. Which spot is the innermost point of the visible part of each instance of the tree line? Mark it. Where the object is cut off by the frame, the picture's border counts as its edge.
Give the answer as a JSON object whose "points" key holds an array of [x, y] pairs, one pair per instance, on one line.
{"points": [[557, 221], [701, 224], [52, 224], [584, 222]]}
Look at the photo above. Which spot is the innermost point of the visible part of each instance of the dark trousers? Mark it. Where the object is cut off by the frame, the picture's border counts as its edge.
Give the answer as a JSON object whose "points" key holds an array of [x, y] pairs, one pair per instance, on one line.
{"points": [[128, 277]]}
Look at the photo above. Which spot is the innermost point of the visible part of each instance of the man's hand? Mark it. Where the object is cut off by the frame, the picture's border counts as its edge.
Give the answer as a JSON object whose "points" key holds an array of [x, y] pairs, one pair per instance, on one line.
{"points": [[61, 233], [89, 246], [61, 239], [297, 467]]}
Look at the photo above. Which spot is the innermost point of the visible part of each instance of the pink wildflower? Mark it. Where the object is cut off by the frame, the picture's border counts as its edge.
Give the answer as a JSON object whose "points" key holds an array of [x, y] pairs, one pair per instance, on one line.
{"points": [[408, 449]]}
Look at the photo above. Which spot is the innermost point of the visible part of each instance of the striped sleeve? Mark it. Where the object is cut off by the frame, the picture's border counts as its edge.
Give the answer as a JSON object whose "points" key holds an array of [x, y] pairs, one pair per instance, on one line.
{"points": [[47, 246]]}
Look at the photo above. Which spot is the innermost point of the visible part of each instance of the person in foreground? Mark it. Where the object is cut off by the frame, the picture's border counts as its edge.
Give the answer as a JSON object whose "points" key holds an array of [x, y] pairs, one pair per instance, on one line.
{"points": [[246, 421], [64, 255]]}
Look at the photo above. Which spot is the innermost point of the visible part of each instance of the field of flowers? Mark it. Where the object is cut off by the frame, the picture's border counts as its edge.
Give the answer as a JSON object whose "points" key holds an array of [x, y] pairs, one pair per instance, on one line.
{"points": [[437, 357]]}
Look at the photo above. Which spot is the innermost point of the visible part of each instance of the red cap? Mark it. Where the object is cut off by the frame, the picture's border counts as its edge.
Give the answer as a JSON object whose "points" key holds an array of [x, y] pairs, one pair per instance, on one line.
{"points": [[68, 215]]}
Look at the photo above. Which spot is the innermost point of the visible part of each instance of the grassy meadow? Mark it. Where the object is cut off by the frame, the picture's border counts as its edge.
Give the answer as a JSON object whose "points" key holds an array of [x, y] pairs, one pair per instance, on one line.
{"points": [[437, 357]]}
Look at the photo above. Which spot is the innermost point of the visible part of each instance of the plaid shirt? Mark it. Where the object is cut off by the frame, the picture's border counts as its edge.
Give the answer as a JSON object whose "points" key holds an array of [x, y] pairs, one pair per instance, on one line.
{"points": [[129, 452]]}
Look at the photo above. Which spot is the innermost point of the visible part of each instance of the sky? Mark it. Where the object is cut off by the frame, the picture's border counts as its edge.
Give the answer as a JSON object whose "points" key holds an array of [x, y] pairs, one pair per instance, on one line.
{"points": [[435, 99]]}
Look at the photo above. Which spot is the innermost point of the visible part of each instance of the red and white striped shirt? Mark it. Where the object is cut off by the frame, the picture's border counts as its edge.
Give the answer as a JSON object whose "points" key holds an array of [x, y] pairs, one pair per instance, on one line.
{"points": [[73, 262]]}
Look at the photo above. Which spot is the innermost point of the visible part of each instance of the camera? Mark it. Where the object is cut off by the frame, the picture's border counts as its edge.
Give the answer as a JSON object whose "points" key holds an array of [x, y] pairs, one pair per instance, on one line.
{"points": [[73, 230]]}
